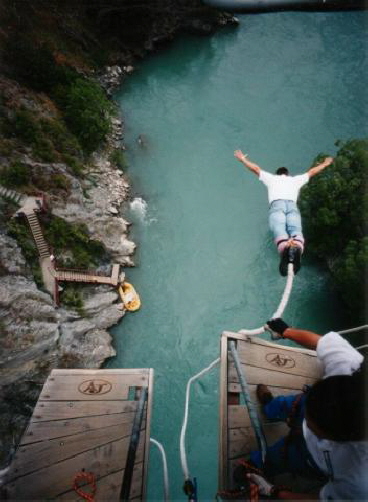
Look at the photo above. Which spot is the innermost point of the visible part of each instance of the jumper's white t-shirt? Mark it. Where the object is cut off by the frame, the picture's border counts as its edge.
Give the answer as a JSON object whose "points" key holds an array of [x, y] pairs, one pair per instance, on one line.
{"points": [[280, 186], [346, 463]]}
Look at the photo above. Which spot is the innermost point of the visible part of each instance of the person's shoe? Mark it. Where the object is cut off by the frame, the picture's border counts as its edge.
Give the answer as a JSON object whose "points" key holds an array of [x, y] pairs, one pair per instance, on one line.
{"points": [[264, 394], [284, 260], [295, 254]]}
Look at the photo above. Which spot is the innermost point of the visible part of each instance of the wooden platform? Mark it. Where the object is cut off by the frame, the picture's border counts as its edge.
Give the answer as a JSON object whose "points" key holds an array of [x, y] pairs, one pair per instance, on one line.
{"points": [[69, 275], [83, 422], [284, 369]]}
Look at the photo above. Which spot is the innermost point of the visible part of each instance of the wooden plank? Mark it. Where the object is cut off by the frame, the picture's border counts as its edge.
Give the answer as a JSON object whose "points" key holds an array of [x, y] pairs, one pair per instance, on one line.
{"points": [[241, 441], [86, 371], [223, 434], [58, 478], [276, 358], [255, 375], [261, 341], [32, 457], [238, 416], [43, 431], [83, 387], [59, 410], [108, 487], [115, 274]]}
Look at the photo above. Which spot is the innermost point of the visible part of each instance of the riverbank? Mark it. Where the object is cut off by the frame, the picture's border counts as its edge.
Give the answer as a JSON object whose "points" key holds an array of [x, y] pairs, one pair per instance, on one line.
{"points": [[85, 191]]}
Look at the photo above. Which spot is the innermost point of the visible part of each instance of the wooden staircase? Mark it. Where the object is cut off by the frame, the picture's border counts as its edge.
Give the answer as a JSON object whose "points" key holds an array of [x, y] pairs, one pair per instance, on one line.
{"points": [[8, 194], [42, 246]]}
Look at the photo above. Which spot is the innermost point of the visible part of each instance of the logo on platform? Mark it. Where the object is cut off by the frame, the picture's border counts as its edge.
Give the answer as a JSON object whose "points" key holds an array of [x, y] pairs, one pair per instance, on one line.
{"points": [[280, 360], [92, 387]]}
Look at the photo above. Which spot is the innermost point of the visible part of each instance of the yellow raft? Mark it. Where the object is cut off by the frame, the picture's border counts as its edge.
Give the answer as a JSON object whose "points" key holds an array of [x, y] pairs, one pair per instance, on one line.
{"points": [[129, 296]]}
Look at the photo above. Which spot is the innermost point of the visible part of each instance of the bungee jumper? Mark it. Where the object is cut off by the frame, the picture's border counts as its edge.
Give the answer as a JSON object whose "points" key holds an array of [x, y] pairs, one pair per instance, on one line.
{"points": [[284, 216]]}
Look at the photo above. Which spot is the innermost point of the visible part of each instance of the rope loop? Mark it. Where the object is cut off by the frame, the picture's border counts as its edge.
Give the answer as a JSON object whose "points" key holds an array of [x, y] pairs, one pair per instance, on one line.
{"points": [[83, 479]]}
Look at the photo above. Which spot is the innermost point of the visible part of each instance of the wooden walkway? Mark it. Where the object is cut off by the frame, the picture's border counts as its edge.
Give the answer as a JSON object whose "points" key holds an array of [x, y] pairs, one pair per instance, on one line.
{"points": [[88, 276], [284, 369], [83, 423]]}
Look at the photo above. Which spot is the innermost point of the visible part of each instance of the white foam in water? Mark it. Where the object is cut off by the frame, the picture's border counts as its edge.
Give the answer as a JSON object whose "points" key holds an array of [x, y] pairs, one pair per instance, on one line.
{"points": [[139, 207]]}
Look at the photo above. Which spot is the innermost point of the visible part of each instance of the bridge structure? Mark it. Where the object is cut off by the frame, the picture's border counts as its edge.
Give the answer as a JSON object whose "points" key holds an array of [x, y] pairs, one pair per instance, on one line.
{"points": [[51, 274]]}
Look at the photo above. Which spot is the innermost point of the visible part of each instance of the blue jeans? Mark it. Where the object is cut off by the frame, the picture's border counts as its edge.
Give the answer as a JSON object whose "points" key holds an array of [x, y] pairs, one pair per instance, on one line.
{"points": [[285, 220], [290, 453]]}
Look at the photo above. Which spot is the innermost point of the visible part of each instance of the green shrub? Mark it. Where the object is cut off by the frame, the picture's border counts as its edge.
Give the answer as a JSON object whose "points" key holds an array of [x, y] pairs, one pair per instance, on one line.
{"points": [[61, 181], [75, 165], [52, 183], [83, 103], [334, 205], [72, 297], [350, 271], [7, 147], [85, 108], [63, 141], [43, 149], [335, 212], [117, 157], [74, 238], [25, 127], [14, 175]]}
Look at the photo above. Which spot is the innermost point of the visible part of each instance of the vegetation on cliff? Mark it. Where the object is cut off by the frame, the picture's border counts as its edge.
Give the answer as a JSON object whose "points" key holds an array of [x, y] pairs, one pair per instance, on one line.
{"points": [[335, 211]]}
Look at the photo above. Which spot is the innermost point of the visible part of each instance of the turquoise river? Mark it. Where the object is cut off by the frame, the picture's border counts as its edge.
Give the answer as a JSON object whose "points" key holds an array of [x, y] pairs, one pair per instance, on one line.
{"points": [[283, 87]]}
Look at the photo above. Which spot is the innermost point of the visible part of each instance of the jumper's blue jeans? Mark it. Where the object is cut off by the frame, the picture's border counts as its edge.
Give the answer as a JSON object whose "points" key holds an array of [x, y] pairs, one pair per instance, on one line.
{"points": [[289, 454], [285, 220]]}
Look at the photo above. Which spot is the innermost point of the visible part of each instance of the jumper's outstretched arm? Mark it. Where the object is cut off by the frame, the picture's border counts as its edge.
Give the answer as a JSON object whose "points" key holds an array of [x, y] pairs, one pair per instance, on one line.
{"points": [[238, 154]]}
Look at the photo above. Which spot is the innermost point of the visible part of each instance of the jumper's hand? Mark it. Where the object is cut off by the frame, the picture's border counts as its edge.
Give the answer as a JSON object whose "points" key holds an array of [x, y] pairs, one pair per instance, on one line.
{"points": [[328, 161], [240, 155]]}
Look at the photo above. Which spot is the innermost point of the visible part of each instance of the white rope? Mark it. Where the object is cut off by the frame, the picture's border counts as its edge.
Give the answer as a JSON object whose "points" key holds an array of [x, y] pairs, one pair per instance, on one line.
{"points": [[183, 456], [361, 347], [358, 328], [280, 308], [164, 466]]}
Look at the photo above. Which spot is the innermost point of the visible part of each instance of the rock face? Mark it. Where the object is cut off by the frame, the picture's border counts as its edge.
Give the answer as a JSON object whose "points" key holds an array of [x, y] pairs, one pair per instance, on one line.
{"points": [[107, 190], [35, 335]]}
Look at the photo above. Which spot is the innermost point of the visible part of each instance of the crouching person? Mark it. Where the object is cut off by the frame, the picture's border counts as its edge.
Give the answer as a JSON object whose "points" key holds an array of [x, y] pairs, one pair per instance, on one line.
{"points": [[332, 415]]}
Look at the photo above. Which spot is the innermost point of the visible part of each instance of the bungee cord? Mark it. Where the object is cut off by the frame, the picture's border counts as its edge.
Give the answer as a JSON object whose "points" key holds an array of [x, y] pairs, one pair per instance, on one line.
{"points": [[280, 309]]}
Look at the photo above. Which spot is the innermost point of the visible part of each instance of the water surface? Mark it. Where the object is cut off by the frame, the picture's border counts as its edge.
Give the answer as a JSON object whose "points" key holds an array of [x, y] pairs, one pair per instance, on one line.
{"points": [[283, 87]]}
